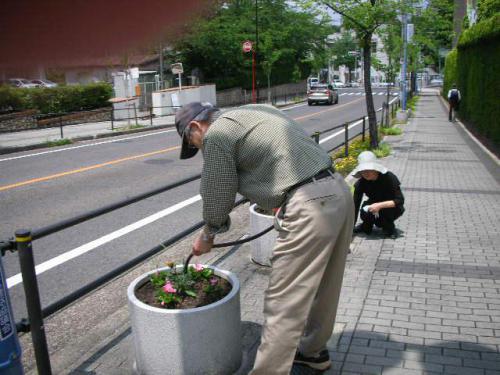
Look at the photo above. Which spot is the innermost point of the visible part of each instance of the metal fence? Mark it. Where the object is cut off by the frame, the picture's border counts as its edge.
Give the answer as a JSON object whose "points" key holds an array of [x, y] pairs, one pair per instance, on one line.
{"points": [[22, 242]]}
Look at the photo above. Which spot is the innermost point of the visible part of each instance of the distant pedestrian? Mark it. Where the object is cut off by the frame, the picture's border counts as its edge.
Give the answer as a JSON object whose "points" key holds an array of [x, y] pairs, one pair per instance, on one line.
{"points": [[454, 98], [385, 199], [259, 152]]}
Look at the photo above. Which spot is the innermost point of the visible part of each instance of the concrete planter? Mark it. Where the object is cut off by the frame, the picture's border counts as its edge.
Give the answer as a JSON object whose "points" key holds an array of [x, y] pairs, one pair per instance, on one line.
{"points": [[402, 116], [262, 247], [203, 340]]}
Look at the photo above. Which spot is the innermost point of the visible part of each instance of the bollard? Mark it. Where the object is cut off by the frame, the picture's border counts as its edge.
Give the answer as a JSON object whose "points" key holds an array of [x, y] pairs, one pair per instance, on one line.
{"points": [[135, 114], [364, 129], [30, 284], [151, 115], [61, 127], [346, 139], [10, 350], [112, 119], [316, 137]]}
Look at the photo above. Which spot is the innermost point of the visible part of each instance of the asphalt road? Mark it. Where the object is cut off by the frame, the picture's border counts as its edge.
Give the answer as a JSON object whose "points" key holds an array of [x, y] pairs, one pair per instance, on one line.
{"points": [[59, 183]]}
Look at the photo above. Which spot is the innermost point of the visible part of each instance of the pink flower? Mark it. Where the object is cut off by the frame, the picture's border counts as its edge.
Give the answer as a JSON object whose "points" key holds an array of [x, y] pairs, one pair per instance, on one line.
{"points": [[168, 288], [162, 303], [213, 281], [198, 267]]}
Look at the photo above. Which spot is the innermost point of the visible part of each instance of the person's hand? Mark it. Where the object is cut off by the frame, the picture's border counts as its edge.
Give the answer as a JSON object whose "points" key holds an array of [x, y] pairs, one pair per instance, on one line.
{"points": [[375, 208], [202, 244]]}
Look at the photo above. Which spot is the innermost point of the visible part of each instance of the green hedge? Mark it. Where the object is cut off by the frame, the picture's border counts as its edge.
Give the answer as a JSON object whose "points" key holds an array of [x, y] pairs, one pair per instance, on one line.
{"points": [[450, 72], [59, 99], [478, 77]]}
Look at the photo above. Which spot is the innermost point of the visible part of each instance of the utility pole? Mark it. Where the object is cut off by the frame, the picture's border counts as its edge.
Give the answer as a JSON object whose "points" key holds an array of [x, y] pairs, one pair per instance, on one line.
{"points": [[403, 70], [161, 64]]}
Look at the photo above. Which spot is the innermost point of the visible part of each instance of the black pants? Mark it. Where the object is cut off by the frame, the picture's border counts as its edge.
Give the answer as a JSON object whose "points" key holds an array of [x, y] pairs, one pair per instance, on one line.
{"points": [[385, 219], [453, 107]]}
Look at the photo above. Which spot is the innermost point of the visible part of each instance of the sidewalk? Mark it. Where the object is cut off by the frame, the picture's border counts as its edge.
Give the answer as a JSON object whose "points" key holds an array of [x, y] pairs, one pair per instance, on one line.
{"points": [[425, 303], [32, 139]]}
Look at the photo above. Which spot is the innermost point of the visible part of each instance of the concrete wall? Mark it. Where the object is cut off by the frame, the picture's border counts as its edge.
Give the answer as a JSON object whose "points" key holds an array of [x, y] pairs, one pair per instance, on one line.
{"points": [[165, 101]]}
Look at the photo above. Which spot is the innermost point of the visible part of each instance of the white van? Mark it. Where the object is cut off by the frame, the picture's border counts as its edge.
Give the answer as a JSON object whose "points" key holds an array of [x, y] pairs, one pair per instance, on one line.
{"points": [[311, 81]]}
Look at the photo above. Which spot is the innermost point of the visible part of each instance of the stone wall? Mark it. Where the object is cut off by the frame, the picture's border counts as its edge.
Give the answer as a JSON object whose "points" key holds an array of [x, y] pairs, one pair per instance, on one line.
{"points": [[30, 119], [18, 121], [96, 115]]}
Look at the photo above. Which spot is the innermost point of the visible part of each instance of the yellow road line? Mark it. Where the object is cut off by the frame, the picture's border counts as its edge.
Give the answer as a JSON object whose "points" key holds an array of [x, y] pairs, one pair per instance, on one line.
{"points": [[112, 162], [328, 110], [95, 166]]}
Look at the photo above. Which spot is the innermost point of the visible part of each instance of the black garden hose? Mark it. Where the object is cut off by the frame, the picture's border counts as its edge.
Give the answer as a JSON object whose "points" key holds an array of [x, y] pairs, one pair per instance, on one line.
{"points": [[231, 243]]}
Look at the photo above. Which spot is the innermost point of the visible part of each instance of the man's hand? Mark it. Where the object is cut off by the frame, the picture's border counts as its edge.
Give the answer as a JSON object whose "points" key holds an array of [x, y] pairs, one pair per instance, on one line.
{"points": [[203, 243]]}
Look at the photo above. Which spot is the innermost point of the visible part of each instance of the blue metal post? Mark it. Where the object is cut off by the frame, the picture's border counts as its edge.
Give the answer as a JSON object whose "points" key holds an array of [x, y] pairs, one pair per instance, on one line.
{"points": [[10, 350]]}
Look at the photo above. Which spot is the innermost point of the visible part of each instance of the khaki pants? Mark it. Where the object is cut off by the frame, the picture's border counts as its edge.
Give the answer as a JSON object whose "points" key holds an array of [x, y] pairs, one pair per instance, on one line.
{"points": [[309, 257]]}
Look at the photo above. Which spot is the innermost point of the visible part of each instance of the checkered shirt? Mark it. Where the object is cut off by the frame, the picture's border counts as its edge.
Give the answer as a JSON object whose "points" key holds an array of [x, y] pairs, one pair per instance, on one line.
{"points": [[259, 152]]}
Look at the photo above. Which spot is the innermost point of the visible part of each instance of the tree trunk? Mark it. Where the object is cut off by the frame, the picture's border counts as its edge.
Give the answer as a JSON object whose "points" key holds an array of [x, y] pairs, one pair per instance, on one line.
{"points": [[370, 108]]}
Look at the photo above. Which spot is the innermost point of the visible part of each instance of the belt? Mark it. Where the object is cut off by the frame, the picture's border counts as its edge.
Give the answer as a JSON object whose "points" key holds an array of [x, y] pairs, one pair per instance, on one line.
{"points": [[318, 176]]}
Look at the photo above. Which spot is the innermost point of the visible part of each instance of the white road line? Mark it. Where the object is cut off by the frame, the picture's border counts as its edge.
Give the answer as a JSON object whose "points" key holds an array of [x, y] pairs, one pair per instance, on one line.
{"points": [[339, 132], [58, 260], [358, 94], [294, 106], [87, 145], [350, 126], [351, 93], [343, 94]]}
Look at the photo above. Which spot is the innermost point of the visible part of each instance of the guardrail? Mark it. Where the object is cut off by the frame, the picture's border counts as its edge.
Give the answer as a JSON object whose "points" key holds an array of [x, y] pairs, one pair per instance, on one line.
{"points": [[22, 242]]}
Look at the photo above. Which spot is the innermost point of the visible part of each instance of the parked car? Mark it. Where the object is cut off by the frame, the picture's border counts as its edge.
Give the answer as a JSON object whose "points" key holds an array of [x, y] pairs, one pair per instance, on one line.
{"points": [[338, 83], [21, 83], [43, 83], [322, 93], [354, 84], [437, 81], [311, 81]]}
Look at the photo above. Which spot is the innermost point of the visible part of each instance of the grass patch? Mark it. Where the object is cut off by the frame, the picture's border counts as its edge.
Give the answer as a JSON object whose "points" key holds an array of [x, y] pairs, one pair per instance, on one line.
{"points": [[391, 131], [130, 127], [412, 103], [383, 150], [59, 142], [345, 165]]}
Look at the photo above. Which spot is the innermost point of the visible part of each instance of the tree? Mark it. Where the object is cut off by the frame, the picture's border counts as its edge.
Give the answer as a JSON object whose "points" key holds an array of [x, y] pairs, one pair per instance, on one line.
{"points": [[289, 42], [365, 17], [341, 48], [434, 29]]}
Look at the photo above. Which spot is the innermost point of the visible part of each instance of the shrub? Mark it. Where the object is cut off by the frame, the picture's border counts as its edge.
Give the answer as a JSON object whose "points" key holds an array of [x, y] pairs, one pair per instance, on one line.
{"points": [[478, 77], [59, 99], [12, 99]]}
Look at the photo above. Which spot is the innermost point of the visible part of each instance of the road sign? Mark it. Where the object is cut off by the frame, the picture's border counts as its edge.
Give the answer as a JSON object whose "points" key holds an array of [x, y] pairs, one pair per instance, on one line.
{"points": [[247, 46], [177, 68], [353, 53], [410, 30]]}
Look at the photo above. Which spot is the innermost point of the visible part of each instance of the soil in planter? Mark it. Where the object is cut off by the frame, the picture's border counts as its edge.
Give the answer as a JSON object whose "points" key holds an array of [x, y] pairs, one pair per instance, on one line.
{"points": [[146, 294]]}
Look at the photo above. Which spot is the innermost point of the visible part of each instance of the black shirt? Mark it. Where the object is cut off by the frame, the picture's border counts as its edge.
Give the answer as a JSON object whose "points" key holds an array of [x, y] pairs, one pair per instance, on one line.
{"points": [[385, 188]]}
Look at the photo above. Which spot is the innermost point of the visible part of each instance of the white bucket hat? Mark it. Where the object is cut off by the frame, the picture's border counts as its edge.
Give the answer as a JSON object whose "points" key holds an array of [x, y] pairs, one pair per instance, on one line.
{"points": [[367, 161]]}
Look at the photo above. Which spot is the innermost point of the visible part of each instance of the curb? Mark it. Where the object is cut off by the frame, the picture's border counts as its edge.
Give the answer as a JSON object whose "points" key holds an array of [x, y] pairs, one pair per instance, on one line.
{"points": [[10, 150], [473, 137]]}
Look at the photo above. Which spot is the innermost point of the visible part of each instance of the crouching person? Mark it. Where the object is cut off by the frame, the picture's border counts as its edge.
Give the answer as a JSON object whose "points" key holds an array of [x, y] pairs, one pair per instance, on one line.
{"points": [[385, 199]]}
